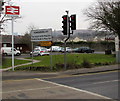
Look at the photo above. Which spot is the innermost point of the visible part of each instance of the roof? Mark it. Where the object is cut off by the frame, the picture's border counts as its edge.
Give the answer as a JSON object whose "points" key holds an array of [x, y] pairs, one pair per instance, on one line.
{"points": [[8, 39]]}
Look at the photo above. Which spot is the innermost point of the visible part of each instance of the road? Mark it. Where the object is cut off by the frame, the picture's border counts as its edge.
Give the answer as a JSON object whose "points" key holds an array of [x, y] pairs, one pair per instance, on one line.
{"points": [[53, 53], [102, 83], [85, 86]]}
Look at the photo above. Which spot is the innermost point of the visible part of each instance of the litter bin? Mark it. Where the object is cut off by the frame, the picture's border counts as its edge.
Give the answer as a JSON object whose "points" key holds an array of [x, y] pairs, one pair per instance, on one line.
{"points": [[108, 52]]}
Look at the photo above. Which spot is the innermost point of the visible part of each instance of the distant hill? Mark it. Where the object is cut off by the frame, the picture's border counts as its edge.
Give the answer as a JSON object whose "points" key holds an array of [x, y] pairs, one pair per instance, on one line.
{"points": [[88, 35]]}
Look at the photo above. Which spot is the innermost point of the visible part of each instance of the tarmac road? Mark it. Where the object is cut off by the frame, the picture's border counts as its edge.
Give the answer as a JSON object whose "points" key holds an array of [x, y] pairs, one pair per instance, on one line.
{"points": [[105, 83], [53, 53], [42, 89]]}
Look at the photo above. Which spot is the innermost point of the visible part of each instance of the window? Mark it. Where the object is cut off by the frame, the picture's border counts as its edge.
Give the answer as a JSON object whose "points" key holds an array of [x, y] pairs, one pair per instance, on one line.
{"points": [[20, 48], [4, 45]]}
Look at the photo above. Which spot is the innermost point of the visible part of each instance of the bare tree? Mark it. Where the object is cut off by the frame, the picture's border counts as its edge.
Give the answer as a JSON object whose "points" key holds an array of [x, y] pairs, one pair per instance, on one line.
{"points": [[32, 27], [26, 39], [105, 15]]}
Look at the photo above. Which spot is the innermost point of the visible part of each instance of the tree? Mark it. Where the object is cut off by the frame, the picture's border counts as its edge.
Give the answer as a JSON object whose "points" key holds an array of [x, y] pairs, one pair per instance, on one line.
{"points": [[105, 15], [26, 39]]}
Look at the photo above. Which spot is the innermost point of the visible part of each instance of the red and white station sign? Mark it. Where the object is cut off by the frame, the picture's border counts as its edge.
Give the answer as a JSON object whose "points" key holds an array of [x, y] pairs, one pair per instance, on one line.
{"points": [[12, 10]]}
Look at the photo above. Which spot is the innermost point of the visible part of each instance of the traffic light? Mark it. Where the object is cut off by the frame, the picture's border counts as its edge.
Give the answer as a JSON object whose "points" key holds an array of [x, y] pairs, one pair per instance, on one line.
{"points": [[73, 22], [64, 24], [1, 5]]}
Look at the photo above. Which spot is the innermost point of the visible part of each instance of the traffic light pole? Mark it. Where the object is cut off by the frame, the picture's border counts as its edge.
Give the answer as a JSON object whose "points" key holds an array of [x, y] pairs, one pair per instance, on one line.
{"points": [[68, 33], [67, 25]]}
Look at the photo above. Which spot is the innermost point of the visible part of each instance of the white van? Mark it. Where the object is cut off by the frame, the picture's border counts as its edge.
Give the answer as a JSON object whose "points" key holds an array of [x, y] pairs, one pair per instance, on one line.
{"points": [[8, 51]]}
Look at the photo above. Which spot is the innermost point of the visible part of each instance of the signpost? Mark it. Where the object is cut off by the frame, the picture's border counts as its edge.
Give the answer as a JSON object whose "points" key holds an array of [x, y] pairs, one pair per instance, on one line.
{"points": [[44, 36], [12, 11], [41, 35]]}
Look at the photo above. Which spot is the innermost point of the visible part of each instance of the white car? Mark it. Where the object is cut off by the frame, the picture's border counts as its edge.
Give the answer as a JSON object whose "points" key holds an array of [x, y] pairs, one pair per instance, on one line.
{"points": [[39, 52]]}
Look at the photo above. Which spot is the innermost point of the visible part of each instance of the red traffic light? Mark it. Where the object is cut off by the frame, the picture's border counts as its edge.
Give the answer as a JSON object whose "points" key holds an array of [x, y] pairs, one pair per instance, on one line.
{"points": [[73, 22], [64, 24], [65, 18], [72, 17]]}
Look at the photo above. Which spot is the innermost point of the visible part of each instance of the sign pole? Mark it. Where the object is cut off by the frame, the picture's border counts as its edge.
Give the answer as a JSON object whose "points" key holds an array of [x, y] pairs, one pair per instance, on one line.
{"points": [[32, 53], [51, 52], [12, 31], [51, 58], [117, 49], [12, 11]]}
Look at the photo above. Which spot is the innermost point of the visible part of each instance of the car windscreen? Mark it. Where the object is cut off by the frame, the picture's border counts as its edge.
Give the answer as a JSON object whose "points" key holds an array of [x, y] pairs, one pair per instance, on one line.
{"points": [[43, 49]]}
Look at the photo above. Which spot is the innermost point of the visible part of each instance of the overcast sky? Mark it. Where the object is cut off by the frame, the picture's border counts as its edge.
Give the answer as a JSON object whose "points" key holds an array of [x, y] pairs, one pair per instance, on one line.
{"points": [[48, 14]]}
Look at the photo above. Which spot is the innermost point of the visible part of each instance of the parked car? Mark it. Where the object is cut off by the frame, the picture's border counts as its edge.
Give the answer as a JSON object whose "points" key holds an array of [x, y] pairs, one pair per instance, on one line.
{"points": [[84, 50], [55, 49], [68, 49], [39, 52], [8, 51]]}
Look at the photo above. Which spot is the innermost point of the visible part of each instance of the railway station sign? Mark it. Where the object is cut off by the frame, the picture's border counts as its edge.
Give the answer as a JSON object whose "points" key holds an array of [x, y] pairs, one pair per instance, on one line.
{"points": [[12, 10]]}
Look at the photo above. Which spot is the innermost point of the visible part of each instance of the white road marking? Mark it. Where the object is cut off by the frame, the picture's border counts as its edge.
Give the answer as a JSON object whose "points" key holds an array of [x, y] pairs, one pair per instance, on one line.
{"points": [[106, 81], [104, 97]]}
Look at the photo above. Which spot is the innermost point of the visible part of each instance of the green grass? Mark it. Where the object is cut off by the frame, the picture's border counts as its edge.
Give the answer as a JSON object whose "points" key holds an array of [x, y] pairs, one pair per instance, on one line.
{"points": [[73, 58], [8, 62]]}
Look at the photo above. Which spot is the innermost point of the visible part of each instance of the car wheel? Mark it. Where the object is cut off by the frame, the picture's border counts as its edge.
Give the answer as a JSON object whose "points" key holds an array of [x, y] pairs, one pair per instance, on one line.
{"points": [[18, 54], [39, 55], [5, 54]]}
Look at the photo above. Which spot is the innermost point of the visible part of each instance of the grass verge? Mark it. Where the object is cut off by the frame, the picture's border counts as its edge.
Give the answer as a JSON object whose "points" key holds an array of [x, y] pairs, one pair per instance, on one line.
{"points": [[8, 62], [73, 61]]}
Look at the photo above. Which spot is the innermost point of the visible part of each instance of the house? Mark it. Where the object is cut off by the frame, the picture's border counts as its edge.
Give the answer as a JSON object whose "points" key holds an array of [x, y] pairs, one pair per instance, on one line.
{"points": [[7, 42]]}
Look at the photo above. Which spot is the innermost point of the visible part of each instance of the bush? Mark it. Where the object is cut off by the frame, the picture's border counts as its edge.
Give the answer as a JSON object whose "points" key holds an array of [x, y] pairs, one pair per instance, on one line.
{"points": [[3, 59], [59, 66], [45, 69], [98, 64], [108, 52], [86, 64]]}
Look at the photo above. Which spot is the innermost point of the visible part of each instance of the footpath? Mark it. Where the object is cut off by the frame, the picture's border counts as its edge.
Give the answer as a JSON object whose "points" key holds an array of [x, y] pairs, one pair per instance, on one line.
{"points": [[34, 61], [37, 74]]}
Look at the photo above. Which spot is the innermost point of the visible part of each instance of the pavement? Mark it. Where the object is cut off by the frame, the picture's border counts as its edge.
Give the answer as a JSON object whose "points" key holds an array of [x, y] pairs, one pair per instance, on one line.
{"points": [[37, 74], [93, 70]]}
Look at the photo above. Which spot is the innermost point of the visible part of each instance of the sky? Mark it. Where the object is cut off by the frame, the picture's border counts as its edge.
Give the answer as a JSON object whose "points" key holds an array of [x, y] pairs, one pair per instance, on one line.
{"points": [[44, 14]]}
